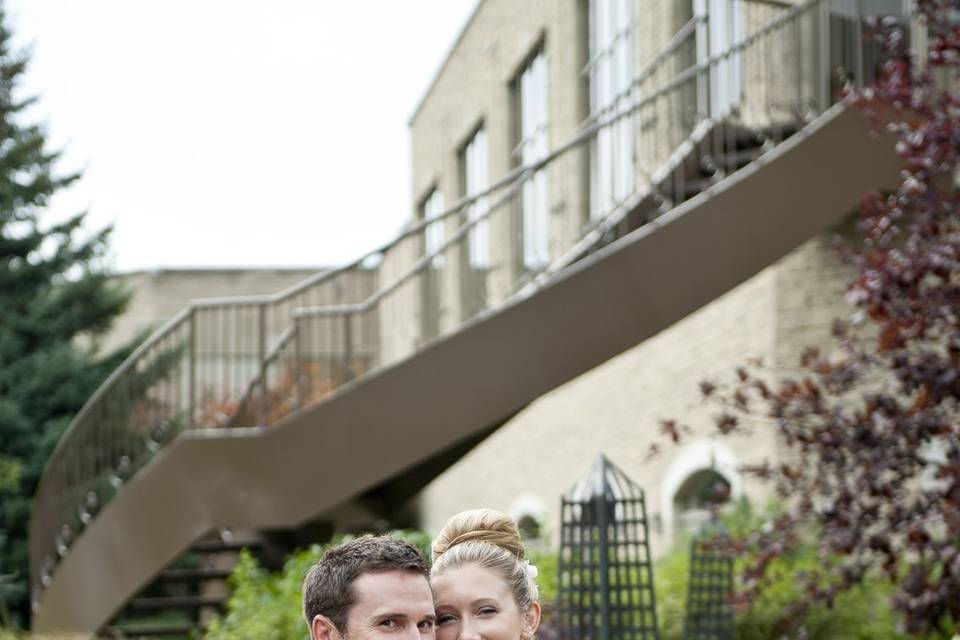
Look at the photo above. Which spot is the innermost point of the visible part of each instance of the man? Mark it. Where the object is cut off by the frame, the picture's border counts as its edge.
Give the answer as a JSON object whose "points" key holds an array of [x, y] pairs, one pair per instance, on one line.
{"points": [[370, 588]]}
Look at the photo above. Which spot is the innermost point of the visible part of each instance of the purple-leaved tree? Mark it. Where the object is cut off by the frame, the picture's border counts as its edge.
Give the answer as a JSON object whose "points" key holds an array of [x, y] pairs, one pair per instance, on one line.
{"points": [[872, 428]]}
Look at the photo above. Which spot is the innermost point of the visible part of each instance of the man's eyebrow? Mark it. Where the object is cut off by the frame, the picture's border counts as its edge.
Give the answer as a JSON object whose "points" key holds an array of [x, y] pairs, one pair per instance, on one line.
{"points": [[387, 614]]}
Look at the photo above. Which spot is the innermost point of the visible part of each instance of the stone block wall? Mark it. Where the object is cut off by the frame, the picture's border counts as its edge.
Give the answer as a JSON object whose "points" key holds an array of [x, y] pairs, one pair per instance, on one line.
{"points": [[616, 408]]}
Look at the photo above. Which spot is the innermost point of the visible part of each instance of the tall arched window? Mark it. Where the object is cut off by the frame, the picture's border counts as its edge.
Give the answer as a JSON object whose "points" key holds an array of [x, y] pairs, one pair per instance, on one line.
{"points": [[610, 72], [431, 209], [532, 106]]}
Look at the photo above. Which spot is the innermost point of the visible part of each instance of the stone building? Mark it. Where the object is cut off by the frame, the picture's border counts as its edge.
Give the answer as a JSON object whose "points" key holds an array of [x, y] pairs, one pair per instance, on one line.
{"points": [[520, 80]]}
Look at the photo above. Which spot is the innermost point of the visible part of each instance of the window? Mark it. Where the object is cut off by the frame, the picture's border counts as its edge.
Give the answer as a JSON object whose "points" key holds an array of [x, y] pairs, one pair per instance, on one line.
{"points": [[430, 278], [532, 106], [854, 55], [610, 73], [475, 180], [724, 30], [432, 209]]}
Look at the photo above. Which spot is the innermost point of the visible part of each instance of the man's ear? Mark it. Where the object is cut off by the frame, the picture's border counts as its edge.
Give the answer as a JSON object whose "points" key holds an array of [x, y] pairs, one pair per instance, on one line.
{"points": [[321, 628], [531, 621]]}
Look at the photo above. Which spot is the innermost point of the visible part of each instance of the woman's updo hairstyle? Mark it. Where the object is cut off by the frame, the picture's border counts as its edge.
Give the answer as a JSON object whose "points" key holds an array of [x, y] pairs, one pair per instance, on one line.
{"points": [[488, 539]]}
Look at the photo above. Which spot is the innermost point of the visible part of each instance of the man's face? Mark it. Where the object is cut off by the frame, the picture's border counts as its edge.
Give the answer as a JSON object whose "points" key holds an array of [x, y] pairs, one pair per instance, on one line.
{"points": [[389, 605]]}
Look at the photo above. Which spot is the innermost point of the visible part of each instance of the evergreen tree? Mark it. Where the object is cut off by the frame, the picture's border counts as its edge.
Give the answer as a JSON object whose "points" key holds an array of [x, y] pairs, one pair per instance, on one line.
{"points": [[56, 298]]}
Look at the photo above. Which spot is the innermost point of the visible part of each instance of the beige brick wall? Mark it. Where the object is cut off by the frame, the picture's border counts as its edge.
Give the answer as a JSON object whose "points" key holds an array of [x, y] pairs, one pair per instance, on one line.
{"points": [[811, 283], [616, 408]]}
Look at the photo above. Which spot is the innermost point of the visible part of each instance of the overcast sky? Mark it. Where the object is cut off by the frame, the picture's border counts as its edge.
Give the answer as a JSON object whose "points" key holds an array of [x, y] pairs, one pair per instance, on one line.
{"points": [[235, 133]]}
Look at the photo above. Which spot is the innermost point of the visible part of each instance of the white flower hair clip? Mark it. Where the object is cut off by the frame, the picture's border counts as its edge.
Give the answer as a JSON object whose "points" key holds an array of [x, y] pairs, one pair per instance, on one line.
{"points": [[530, 569]]}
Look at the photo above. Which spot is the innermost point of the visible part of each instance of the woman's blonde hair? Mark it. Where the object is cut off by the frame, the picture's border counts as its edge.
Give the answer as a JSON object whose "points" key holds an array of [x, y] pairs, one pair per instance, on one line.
{"points": [[489, 539]]}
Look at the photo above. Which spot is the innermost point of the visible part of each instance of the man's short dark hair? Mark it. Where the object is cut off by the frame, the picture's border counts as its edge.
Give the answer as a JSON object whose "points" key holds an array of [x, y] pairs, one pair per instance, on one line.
{"points": [[328, 588]]}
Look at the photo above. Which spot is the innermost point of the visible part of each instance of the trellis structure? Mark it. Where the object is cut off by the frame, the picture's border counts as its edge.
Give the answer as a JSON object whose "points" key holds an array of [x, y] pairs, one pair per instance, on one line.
{"points": [[709, 609], [605, 571]]}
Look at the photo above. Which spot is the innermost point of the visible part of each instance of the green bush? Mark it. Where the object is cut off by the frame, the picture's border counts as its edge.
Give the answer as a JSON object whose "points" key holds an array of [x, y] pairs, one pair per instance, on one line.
{"points": [[860, 614], [265, 605], [546, 564]]}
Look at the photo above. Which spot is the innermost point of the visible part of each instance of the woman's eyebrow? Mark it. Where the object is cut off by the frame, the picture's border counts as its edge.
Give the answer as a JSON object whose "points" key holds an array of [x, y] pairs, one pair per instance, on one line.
{"points": [[484, 601]]}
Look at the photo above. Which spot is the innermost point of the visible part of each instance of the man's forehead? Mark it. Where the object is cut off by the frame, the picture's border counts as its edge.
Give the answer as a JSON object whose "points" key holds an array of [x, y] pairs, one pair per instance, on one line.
{"points": [[399, 592]]}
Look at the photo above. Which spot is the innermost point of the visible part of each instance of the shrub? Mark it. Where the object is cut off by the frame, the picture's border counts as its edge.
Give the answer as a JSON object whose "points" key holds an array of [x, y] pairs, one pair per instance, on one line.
{"points": [[860, 613]]}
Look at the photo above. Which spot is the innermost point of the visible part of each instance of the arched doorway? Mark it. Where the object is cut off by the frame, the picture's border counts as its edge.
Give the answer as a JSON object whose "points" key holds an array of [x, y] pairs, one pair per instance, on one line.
{"points": [[698, 494], [696, 468]]}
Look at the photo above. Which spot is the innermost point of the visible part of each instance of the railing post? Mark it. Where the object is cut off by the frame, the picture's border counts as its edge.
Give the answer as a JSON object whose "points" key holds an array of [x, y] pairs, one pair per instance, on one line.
{"points": [[701, 55], [193, 369], [858, 70], [300, 374], [262, 356], [347, 348], [824, 55]]}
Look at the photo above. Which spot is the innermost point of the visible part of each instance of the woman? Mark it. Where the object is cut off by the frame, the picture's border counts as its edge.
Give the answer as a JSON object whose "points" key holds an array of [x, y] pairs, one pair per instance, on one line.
{"points": [[482, 586]]}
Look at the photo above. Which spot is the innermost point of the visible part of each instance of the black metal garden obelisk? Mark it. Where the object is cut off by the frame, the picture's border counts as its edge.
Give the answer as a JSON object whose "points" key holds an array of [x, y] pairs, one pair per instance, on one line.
{"points": [[709, 609], [605, 572]]}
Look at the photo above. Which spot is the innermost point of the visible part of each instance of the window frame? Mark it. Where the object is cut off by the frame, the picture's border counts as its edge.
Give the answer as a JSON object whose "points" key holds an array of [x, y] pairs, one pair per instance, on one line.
{"points": [[529, 145], [478, 246]]}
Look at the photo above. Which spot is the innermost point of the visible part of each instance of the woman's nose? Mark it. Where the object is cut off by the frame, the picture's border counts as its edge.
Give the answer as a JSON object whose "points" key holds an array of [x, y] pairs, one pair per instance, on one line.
{"points": [[468, 631]]}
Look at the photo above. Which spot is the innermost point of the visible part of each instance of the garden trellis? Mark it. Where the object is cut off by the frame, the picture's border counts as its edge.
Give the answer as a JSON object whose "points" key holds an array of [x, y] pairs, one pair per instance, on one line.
{"points": [[605, 573], [709, 609]]}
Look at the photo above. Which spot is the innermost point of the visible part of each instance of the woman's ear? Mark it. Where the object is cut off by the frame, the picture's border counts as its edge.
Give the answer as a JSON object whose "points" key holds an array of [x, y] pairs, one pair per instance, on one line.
{"points": [[322, 628], [531, 621]]}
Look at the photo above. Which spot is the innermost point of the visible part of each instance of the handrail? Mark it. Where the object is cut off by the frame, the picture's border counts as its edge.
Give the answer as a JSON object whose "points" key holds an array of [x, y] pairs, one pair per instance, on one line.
{"points": [[588, 128]]}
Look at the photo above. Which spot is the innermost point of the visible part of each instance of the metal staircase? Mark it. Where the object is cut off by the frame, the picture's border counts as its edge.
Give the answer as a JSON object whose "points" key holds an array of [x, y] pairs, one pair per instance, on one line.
{"points": [[266, 413]]}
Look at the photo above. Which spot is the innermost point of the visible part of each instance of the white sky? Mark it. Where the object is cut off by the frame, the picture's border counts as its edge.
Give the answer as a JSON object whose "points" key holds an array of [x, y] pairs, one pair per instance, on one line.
{"points": [[235, 133]]}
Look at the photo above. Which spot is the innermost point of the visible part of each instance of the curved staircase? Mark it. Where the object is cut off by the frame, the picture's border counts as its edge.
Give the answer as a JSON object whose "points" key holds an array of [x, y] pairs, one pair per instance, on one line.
{"points": [[267, 413]]}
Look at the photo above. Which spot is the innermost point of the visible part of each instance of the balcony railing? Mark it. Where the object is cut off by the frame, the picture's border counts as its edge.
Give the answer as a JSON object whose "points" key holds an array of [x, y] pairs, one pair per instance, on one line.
{"points": [[249, 362]]}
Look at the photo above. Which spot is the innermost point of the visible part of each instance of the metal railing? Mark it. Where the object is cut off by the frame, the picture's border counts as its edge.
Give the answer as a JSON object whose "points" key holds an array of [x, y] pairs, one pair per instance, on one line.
{"points": [[252, 361]]}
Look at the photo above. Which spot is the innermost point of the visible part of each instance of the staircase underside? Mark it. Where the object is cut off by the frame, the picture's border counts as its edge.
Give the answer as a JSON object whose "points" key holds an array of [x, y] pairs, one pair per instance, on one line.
{"points": [[383, 426]]}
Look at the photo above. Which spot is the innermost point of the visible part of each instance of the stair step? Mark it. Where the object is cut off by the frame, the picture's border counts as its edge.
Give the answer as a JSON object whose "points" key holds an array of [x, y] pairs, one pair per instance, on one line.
{"points": [[176, 602], [214, 545], [190, 575], [149, 630], [691, 188], [733, 160]]}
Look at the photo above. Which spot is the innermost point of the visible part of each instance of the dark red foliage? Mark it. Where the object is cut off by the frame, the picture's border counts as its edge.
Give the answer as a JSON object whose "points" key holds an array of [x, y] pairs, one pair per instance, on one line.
{"points": [[875, 424]]}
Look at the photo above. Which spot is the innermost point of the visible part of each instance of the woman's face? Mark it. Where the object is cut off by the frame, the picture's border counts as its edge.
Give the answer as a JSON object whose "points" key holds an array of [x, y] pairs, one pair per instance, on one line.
{"points": [[474, 603]]}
